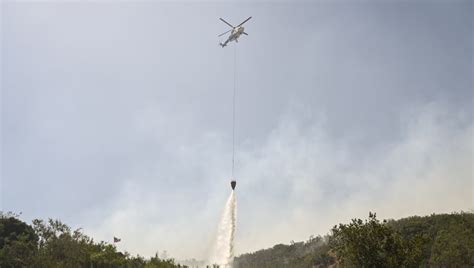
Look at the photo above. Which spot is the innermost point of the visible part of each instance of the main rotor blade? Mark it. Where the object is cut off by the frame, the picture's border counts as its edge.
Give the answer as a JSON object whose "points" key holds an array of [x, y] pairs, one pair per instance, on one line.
{"points": [[244, 22], [245, 33], [226, 22], [224, 33]]}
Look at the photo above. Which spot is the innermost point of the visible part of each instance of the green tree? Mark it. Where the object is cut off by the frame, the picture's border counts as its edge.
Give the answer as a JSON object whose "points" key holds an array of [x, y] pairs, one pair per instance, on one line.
{"points": [[61, 247], [18, 242], [156, 262], [453, 247], [53, 244], [371, 243]]}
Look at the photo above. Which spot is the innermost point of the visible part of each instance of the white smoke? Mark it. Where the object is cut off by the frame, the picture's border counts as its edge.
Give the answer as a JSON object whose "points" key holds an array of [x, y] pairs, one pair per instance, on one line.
{"points": [[300, 176], [223, 254]]}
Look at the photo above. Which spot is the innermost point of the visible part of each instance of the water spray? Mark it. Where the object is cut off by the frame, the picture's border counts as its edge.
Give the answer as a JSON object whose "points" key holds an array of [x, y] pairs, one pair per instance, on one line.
{"points": [[223, 254]]}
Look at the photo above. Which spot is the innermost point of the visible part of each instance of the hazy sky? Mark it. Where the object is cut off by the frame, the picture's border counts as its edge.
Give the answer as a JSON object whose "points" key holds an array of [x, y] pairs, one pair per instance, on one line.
{"points": [[116, 117]]}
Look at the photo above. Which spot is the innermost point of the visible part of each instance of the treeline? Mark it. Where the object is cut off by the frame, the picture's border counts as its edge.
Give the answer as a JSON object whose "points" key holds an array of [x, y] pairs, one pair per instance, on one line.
{"points": [[54, 244], [445, 240]]}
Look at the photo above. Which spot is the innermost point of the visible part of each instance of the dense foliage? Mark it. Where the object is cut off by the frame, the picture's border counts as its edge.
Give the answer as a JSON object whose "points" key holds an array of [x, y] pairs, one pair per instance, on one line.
{"points": [[300, 254], [445, 240], [54, 244], [370, 243], [448, 238]]}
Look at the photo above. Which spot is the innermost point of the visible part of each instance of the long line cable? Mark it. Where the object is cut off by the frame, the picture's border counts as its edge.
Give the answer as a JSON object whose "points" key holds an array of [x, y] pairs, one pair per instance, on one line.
{"points": [[233, 109]]}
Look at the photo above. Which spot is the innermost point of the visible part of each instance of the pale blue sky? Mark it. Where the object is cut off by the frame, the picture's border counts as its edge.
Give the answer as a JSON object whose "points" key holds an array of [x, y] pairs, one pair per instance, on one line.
{"points": [[116, 117]]}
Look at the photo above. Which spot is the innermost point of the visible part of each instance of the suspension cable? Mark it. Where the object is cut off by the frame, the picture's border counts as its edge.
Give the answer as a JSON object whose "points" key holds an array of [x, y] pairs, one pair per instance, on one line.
{"points": [[233, 109]]}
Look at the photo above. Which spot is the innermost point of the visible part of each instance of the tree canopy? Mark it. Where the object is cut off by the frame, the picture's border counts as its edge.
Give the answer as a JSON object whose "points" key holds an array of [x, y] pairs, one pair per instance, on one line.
{"points": [[444, 240], [53, 244]]}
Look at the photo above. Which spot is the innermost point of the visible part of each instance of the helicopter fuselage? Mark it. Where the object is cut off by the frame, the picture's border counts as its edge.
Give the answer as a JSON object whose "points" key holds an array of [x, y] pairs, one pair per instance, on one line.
{"points": [[235, 34]]}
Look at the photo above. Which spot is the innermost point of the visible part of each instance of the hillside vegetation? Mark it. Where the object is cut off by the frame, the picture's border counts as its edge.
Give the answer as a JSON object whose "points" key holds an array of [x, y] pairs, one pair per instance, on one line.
{"points": [[54, 244], [445, 240]]}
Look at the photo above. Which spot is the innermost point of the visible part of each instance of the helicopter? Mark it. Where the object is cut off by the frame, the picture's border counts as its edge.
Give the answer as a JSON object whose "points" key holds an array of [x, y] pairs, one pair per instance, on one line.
{"points": [[235, 32]]}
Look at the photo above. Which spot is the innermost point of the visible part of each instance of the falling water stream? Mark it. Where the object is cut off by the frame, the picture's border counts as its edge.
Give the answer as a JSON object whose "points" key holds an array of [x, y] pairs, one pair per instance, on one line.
{"points": [[223, 255]]}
